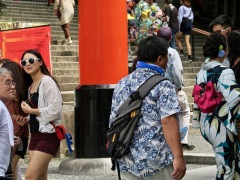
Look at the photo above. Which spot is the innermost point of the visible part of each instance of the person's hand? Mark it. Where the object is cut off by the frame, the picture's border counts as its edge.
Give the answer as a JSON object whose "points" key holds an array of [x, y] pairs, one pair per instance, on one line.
{"points": [[26, 108], [179, 168], [20, 120]]}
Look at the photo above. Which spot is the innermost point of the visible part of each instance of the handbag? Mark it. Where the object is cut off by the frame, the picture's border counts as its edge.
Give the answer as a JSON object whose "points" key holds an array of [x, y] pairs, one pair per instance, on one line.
{"points": [[206, 97], [58, 10], [60, 131]]}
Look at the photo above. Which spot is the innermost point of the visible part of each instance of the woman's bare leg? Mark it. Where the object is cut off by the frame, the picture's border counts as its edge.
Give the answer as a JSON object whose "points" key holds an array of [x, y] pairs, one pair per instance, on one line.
{"points": [[178, 41], [188, 45], [38, 166]]}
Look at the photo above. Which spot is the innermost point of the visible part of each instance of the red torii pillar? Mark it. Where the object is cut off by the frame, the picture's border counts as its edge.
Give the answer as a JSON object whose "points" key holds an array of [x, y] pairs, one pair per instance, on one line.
{"points": [[103, 61]]}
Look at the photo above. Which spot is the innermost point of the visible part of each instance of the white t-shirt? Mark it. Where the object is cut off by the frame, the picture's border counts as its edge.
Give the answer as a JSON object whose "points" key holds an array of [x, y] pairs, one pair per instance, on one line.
{"points": [[6, 138]]}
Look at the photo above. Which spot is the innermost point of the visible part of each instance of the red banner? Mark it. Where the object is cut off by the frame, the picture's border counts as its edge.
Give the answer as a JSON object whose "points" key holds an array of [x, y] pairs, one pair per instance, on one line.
{"points": [[14, 42]]}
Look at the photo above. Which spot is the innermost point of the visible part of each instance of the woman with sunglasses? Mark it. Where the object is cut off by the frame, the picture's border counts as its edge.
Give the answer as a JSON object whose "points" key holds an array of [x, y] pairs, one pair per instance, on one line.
{"points": [[18, 116], [44, 106]]}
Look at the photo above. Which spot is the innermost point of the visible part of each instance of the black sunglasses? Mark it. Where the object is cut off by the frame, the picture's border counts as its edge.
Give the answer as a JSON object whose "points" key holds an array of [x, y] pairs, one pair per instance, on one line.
{"points": [[30, 61]]}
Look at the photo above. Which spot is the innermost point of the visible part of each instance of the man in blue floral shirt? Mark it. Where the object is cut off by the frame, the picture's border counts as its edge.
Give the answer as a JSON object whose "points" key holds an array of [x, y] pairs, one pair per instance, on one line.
{"points": [[155, 151]]}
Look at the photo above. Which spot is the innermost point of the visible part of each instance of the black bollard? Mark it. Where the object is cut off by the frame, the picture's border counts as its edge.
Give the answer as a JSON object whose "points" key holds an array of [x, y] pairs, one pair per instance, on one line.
{"points": [[92, 111]]}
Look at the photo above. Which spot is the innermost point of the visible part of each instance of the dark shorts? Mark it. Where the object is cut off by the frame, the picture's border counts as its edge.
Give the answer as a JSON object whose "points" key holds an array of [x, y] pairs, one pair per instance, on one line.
{"points": [[25, 145], [44, 142], [186, 32]]}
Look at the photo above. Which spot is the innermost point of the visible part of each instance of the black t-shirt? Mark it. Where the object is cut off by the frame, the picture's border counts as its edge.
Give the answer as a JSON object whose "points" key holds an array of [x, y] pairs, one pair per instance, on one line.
{"points": [[33, 103], [172, 12]]}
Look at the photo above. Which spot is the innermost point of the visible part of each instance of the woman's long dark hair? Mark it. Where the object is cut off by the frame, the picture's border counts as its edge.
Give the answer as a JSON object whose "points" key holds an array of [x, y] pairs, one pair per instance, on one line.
{"points": [[44, 68], [17, 73], [233, 40]]}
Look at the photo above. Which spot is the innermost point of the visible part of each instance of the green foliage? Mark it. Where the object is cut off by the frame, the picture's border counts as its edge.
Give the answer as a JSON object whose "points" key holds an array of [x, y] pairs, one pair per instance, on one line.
{"points": [[2, 6]]}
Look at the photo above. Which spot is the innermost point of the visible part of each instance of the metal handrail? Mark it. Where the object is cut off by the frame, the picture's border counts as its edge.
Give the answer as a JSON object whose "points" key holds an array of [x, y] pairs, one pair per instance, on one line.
{"points": [[199, 31]]}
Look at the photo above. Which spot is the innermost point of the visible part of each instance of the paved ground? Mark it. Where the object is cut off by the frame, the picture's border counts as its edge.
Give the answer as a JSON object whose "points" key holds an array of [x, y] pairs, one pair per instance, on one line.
{"points": [[195, 171]]}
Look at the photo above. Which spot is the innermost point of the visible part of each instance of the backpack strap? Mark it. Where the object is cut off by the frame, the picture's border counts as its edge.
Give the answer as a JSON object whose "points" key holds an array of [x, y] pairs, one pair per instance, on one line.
{"points": [[142, 91], [148, 85]]}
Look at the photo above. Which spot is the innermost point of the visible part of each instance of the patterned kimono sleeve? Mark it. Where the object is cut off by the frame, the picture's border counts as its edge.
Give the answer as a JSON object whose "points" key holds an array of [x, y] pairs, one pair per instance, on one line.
{"points": [[231, 92], [229, 88]]}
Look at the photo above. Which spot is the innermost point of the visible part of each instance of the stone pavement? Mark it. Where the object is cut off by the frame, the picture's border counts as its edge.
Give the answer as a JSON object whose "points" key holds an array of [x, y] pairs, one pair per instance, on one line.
{"points": [[200, 164]]}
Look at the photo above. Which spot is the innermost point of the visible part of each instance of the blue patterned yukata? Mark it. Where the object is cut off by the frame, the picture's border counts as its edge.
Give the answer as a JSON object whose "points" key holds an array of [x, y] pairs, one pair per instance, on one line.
{"points": [[219, 127], [149, 152]]}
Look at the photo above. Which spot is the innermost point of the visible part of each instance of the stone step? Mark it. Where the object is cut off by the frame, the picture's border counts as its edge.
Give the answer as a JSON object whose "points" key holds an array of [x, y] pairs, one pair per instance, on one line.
{"points": [[189, 75], [73, 32], [68, 96], [68, 86], [61, 36], [64, 47], [65, 65], [64, 53], [42, 10], [57, 29], [189, 82], [31, 5], [49, 20], [69, 103], [64, 59], [62, 41], [66, 79], [191, 69], [65, 72], [192, 64]]}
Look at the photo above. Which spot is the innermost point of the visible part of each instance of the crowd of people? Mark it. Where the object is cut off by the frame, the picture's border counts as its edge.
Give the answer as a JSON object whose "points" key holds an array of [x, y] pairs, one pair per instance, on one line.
{"points": [[155, 151], [145, 17]]}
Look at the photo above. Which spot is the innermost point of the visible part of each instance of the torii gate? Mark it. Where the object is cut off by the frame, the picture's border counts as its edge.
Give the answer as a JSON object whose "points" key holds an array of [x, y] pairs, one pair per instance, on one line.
{"points": [[103, 61]]}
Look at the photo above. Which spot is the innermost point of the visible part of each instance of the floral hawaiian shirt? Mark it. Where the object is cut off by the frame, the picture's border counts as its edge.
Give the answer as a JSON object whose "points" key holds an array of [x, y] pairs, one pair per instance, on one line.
{"points": [[149, 152]]}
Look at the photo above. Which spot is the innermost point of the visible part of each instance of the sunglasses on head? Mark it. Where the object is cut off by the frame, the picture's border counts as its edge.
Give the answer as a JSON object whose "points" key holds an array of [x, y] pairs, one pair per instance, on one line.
{"points": [[30, 61]]}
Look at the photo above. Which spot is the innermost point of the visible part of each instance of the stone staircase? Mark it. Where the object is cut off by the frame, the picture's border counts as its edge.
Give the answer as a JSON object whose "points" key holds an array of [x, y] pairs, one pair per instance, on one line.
{"points": [[64, 57]]}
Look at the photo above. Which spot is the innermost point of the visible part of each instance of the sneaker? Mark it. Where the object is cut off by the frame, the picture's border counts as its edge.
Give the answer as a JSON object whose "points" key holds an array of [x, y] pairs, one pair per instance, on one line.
{"points": [[69, 42], [181, 54], [188, 147], [188, 60]]}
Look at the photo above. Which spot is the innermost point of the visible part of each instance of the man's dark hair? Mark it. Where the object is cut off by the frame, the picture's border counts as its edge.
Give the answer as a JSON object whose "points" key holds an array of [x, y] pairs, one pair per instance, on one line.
{"points": [[168, 1], [150, 48], [223, 20]]}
